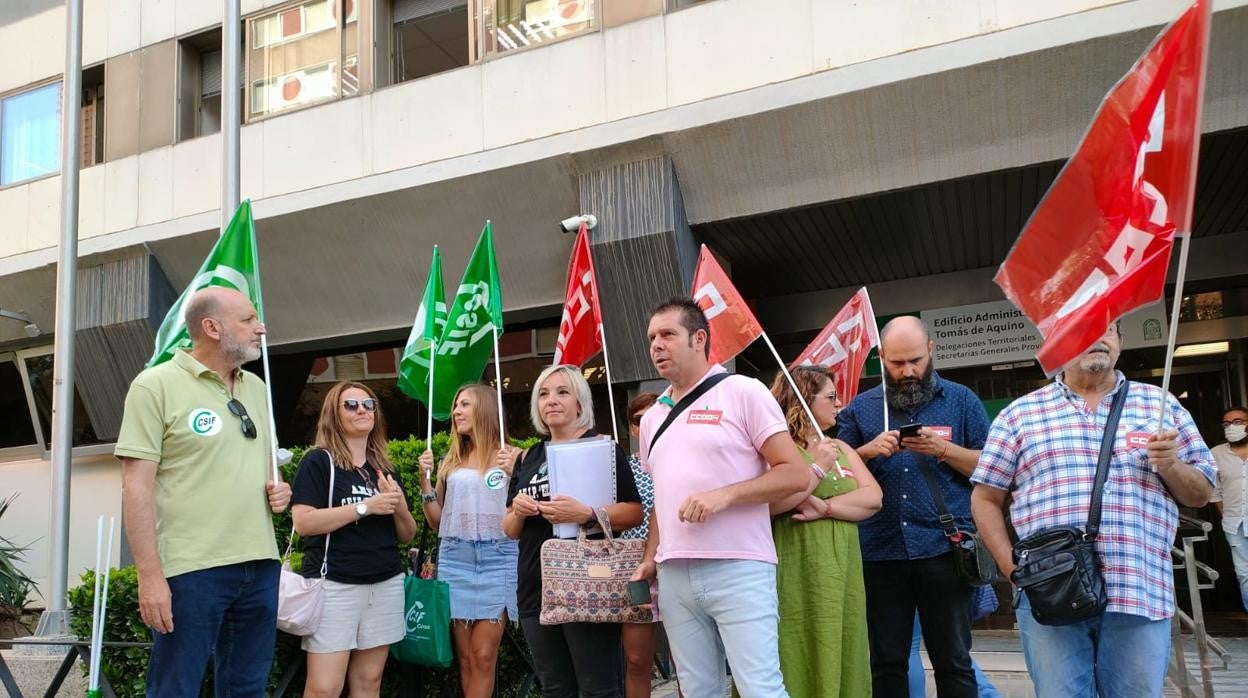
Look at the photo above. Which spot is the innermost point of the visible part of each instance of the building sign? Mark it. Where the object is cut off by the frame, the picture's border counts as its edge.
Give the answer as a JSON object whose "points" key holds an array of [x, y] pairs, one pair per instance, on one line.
{"points": [[997, 333]]}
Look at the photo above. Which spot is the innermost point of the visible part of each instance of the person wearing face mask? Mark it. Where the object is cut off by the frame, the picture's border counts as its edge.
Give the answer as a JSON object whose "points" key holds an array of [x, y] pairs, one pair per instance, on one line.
{"points": [[1231, 494], [1042, 452], [572, 659]]}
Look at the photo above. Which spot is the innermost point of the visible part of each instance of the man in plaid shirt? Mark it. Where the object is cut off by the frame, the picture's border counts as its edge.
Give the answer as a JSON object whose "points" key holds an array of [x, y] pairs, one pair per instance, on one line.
{"points": [[1043, 450]]}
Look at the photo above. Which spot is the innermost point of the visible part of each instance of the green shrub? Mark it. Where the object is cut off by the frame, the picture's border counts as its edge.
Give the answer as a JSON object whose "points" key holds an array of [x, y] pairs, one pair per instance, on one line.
{"points": [[16, 586], [125, 667]]}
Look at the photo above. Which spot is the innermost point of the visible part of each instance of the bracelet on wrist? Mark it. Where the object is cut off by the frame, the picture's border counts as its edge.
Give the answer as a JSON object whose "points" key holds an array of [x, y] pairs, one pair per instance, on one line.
{"points": [[819, 472]]}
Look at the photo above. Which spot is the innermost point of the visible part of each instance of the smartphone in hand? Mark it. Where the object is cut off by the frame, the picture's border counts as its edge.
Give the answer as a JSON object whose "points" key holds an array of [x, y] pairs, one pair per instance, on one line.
{"points": [[909, 431]]}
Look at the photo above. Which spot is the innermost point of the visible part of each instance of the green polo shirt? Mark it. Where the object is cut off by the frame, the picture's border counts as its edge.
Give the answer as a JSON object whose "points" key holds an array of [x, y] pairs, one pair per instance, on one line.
{"points": [[211, 504]]}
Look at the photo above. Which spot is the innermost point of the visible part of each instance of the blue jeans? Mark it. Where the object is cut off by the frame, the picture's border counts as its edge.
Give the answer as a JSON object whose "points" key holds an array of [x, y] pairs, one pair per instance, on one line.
{"points": [[1116, 654], [713, 608], [918, 677], [228, 613], [1239, 555]]}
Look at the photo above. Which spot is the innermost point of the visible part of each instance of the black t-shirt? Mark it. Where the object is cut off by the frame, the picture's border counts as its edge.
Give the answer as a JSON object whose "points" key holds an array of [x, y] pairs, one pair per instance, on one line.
{"points": [[530, 478], [363, 552]]}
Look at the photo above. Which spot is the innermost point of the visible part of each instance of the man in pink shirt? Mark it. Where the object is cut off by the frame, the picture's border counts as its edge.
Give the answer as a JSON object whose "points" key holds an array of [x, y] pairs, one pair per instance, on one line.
{"points": [[716, 467]]}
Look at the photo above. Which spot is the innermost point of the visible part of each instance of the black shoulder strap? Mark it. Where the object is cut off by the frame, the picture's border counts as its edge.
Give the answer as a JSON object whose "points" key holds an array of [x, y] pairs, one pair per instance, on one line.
{"points": [[684, 404], [1102, 463], [946, 519]]}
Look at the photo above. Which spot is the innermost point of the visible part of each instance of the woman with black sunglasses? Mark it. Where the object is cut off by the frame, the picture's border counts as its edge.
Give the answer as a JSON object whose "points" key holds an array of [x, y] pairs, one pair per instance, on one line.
{"points": [[365, 518]]}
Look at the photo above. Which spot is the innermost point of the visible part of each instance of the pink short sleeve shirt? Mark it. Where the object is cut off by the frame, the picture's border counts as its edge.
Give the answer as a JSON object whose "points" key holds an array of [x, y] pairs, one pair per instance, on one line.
{"points": [[712, 444]]}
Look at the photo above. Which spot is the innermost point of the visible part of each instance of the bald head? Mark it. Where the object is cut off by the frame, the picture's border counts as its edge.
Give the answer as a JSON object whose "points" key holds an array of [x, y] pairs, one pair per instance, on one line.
{"points": [[207, 303], [906, 328]]}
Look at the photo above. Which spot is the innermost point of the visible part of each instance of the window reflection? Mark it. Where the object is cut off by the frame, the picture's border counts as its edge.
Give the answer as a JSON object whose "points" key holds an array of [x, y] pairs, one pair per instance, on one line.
{"points": [[302, 54], [515, 24], [39, 370]]}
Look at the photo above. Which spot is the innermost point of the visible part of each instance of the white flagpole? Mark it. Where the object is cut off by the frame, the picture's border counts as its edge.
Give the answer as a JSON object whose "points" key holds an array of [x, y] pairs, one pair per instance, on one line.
{"points": [[268, 397], [789, 377], [498, 384], [429, 422], [606, 363], [883, 384], [1197, 119]]}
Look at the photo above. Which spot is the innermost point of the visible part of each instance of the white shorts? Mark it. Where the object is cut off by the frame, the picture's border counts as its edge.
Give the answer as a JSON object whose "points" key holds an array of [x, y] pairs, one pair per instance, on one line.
{"points": [[359, 616]]}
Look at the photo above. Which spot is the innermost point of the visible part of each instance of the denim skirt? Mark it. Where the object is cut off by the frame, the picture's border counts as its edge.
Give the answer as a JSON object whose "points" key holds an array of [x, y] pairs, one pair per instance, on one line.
{"points": [[482, 577]]}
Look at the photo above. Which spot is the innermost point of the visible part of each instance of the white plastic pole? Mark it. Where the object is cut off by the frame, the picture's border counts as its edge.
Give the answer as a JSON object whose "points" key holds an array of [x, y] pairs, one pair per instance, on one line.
{"points": [[606, 363], [797, 393], [498, 384], [96, 599], [97, 651]]}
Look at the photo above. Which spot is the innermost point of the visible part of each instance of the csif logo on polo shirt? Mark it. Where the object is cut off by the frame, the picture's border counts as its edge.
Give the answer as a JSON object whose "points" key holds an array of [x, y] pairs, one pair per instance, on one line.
{"points": [[204, 422]]}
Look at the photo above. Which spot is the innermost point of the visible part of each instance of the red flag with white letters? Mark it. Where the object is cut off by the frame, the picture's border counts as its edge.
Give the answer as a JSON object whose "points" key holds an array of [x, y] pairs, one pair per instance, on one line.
{"points": [[580, 330], [733, 326], [843, 345], [1098, 245]]}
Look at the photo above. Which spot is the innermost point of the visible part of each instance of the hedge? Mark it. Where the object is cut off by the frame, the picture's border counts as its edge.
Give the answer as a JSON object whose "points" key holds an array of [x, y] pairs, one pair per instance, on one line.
{"points": [[126, 668]]}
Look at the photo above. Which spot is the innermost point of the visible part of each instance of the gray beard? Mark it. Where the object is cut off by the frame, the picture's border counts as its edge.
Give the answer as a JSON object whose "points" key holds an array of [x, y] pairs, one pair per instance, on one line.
{"points": [[237, 353]]}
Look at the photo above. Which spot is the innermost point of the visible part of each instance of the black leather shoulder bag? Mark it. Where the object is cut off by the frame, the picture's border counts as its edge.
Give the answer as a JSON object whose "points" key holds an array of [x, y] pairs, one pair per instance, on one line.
{"points": [[972, 559], [1058, 568]]}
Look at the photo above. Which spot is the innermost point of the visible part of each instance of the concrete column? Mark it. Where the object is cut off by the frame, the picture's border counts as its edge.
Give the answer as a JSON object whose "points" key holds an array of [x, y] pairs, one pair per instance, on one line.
{"points": [[643, 252]]}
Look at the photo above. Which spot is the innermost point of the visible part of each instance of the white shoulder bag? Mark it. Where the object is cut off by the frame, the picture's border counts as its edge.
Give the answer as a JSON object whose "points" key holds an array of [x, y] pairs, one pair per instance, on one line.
{"points": [[300, 600]]}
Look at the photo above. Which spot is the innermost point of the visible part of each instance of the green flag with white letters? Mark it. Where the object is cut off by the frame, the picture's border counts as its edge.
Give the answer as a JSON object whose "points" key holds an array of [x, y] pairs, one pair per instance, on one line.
{"points": [[232, 263], [426, 330], [476, 313]]}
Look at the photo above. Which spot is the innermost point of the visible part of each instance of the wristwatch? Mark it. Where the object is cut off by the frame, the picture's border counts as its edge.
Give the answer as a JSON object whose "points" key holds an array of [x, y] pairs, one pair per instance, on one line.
{"points": [[361, 510], [429, 498]]}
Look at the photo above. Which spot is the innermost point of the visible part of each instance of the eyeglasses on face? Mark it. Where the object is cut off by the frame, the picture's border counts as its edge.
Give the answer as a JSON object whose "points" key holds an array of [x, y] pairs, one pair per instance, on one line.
{"points": [[1235, 423], [237, 409], [370, 405]]}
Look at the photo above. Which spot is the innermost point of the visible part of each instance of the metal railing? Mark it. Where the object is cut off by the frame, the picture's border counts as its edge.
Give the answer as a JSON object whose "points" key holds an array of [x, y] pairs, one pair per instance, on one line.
{"points": [[1185, 560]]}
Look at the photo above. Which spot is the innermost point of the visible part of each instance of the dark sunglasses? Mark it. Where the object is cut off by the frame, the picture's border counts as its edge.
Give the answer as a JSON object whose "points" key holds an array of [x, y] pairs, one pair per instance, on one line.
{"points": [[237, 409], [370, 405]]}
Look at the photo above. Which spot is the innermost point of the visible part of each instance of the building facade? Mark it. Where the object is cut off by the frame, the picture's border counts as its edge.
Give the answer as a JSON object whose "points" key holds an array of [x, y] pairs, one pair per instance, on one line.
{"points": [[815, 145]]}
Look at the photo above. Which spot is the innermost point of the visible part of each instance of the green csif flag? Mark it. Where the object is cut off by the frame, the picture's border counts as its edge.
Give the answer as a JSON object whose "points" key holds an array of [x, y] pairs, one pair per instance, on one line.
{"points": [[426, 330], [232, 263], [476, 312]]}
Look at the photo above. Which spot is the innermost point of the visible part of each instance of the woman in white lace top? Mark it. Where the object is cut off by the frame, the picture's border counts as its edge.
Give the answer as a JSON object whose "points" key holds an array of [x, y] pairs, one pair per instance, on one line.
{"points": [[475, 558]]}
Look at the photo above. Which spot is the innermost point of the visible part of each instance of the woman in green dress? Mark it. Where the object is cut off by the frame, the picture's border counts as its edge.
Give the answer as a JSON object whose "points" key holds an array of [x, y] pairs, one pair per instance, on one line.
{"points": [[823, 627]]}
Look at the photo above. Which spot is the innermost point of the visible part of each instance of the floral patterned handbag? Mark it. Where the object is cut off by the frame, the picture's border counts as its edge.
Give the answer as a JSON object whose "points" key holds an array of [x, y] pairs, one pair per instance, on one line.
{"points": [[586, 581]]}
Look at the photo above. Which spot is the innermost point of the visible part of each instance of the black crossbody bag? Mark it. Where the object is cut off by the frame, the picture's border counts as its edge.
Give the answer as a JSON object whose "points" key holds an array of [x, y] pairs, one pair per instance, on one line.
{"points": [[973, 561], [684, 404], [1058, 568]]}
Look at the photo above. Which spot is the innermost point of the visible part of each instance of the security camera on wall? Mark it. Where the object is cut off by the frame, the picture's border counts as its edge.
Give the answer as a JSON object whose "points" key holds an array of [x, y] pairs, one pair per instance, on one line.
{"points": [[573, 224]]}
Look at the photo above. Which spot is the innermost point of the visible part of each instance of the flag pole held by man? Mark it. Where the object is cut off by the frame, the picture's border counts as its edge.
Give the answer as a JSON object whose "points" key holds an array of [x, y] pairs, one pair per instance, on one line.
{"points": [[1090, 474], [197, 504]]}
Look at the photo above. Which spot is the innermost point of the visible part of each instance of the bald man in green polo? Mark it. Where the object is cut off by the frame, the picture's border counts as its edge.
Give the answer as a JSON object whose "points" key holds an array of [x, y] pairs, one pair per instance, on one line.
{"points": [[198, 499]]}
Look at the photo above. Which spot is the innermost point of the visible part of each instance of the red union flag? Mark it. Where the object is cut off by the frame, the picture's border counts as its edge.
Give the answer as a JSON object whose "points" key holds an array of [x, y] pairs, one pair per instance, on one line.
{"points": [[733, 326], [843, 345], [580, 330], [1098, 245]]}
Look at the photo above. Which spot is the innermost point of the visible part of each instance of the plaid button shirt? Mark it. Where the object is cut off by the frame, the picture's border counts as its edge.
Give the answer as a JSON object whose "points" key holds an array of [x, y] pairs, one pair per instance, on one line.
{"points": [[1043, 448]]}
